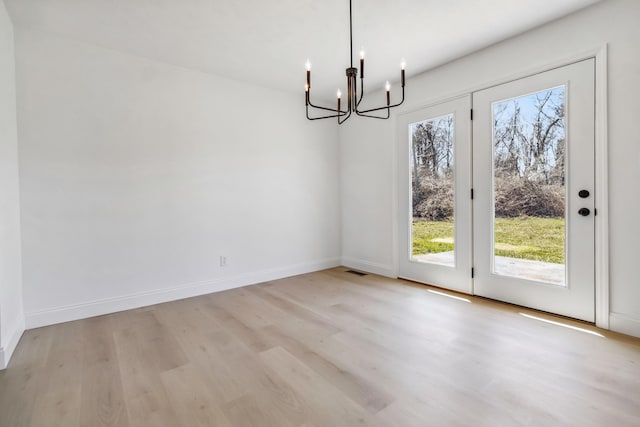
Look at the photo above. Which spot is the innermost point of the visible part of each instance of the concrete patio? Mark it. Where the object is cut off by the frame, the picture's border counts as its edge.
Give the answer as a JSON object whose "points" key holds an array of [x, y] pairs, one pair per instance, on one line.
{"points": [[513, 267]]}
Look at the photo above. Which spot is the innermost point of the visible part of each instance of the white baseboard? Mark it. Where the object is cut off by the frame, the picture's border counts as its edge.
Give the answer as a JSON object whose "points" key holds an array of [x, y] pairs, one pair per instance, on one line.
{"points": [[7, 350], [625, 324], [370, 267], [68, 313]]}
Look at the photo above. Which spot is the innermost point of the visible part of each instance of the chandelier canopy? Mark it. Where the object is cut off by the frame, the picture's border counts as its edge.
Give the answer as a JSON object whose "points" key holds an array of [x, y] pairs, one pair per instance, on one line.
{"points": [[354, 97]]}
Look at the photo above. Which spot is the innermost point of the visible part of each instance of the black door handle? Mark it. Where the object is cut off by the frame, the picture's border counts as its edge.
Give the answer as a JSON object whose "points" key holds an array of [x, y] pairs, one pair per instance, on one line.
{"points": [[584, 211]]}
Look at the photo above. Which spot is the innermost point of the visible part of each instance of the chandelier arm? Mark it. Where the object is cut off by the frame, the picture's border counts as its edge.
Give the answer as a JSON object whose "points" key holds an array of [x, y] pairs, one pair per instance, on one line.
{"points": [[376, 117], [324, 117], [342, 113], [345, 119], [333, 110], [383, 108]]}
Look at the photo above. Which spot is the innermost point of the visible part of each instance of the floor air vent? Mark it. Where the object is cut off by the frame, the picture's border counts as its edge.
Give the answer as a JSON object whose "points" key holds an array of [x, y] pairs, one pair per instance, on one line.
{"points": [[357, 273]]}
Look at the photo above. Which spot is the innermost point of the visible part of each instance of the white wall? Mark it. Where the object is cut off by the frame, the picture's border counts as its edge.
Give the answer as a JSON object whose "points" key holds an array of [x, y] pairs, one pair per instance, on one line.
{"points": [[136, 176], [368, 198], [11, 314], [367, 190]]}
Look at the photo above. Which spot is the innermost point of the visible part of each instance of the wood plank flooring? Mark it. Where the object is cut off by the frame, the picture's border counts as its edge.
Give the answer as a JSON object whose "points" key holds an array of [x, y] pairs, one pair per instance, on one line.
{"points": [[323, 349]]}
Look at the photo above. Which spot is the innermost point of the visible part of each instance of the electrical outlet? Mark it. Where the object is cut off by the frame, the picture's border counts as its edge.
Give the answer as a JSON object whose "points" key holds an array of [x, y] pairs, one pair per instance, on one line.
{"points": [[223, 261]]}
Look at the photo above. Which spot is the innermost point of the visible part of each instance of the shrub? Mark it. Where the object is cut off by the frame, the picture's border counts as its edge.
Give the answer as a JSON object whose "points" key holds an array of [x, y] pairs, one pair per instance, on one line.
{"points": [[434, 200], [515, 197]]}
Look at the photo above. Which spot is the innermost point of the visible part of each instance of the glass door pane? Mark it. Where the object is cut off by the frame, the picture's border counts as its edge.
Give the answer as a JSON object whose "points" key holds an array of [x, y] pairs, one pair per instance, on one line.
{"points": [[432, 190], [529, 232]]}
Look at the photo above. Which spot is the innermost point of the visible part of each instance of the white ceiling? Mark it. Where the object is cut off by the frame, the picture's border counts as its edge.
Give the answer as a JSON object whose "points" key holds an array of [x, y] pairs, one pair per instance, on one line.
{"points": [[268, 41]]}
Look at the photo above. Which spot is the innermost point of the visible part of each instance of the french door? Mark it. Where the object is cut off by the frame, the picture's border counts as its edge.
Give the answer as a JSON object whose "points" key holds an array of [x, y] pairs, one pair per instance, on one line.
{"points": [[435, 175], [529, 236], [534, 181]]}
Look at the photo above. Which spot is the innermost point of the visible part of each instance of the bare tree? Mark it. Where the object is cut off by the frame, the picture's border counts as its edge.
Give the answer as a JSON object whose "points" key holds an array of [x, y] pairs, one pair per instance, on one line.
{"points": [[529, 159], [433, 161], [529, 155], [530, 145]]}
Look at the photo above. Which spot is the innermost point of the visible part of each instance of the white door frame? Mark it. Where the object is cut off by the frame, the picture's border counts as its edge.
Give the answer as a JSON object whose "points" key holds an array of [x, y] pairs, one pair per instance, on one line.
{"points": [[602, 310]]}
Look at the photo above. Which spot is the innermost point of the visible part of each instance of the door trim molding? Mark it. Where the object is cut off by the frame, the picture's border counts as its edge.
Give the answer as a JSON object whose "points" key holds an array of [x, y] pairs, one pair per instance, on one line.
{"points": [[602, 191]]}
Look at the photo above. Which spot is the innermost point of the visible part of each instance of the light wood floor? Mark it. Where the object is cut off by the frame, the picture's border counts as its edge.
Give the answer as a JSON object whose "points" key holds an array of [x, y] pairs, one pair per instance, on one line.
{"points": [[323, 349]]}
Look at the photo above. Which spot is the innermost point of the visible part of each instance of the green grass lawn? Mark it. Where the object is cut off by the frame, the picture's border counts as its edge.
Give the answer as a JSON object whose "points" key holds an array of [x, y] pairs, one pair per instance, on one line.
{"points": [[540, 239]]}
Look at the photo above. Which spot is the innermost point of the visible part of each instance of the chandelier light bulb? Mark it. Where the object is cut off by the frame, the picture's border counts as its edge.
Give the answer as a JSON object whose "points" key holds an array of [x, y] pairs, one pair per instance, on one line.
{"points": [[308, 65], [339, 94], [387, 86], [362, 53], [402, 64]]}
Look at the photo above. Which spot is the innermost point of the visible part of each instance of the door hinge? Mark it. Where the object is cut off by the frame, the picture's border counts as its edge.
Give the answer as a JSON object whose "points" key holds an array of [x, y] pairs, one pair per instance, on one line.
{"points": [[472, 194], [471, 114], [595, 212], [472, 272]]}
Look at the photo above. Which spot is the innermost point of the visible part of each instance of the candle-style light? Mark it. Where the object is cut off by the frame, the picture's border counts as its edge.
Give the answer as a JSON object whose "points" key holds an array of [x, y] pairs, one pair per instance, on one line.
{"points": [[354, 96], [387, 87]]}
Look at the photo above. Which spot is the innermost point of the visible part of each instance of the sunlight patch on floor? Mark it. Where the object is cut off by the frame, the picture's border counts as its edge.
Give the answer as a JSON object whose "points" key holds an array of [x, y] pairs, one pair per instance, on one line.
{"points": [[564, 325], [448, 295]]}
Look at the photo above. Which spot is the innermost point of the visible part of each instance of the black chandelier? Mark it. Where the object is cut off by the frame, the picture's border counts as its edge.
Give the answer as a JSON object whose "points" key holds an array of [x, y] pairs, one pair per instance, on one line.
{"points": [[353, 100]]}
